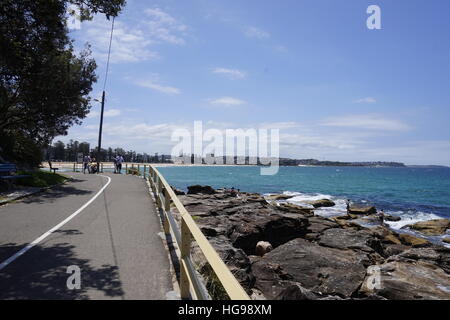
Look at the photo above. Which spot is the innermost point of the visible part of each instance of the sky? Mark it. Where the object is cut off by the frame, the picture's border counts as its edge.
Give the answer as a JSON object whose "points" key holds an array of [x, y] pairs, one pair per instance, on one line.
{"points": [[335, 89]]}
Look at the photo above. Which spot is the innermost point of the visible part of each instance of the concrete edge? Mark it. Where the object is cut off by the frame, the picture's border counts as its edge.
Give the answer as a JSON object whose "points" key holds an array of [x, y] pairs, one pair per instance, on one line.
{"points": [[5, 202]]}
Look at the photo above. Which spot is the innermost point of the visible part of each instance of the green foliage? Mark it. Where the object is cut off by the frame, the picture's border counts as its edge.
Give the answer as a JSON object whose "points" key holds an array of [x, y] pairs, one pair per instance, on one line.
{"points": [[40, 179], [44, 86]]}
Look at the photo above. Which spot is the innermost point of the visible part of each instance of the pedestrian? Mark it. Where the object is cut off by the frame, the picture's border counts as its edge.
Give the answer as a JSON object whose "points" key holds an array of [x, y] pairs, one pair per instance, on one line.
{"points": [[86, 162], [93, 166], [115, 164], [381, 216], [119, 161], [348, 206]]}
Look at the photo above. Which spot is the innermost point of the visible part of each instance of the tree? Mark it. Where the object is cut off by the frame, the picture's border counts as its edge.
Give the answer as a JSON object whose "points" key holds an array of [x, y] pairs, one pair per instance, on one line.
{"points": [[44, 86], [59, 151]]}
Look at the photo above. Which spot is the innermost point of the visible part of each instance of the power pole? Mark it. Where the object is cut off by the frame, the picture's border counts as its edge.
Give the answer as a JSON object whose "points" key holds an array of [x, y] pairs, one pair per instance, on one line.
{"points": [[100, 133]]}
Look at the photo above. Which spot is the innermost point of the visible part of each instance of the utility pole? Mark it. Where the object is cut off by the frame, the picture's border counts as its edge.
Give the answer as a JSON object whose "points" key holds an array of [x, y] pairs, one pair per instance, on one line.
{"points": [[100, 133]]}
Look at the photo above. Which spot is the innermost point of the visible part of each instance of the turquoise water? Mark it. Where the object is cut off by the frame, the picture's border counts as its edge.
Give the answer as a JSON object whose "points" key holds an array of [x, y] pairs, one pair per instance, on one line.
{"points": [[412, 193]]}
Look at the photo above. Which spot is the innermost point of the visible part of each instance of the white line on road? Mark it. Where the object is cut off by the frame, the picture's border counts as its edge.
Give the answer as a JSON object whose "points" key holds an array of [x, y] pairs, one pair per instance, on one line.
{"points": [[49, 232]]}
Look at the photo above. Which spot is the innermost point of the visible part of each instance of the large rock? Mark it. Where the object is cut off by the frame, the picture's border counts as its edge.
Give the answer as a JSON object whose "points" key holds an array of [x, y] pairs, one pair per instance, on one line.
{"points": [[178, 192], [413, 241], [432, 227], [277, 197], [321, 270], [321, 203], [363, 210], [201, 189], [407, 281], [293, 208], [351, 239], [437, 255], [275, 228], [235, 259]]}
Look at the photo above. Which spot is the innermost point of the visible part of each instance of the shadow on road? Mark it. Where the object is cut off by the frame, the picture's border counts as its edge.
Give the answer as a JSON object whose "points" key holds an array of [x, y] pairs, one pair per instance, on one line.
{"points": [[42, 274], [56, 193]]}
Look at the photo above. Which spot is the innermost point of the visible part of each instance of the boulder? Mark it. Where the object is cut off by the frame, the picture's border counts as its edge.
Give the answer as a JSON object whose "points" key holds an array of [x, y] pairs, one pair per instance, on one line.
{"points": [[321, 203], [263, 247], [437, 255], [446, 240], [178, 192], [407, 281], [394, 249], [200, 189], [296, 292], [345, 239], [363, 210], [235, 259], [277, 197], [386, 235], [413, 241], [277, 229], [321, 270], [392, 218], [431, 227], [290, 207], [319, 224]]}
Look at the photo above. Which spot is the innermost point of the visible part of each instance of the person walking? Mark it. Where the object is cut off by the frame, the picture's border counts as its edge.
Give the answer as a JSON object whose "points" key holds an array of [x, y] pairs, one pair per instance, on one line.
{"points": [[381, 217], [348, 207], [86, 163], [115, 164], [119, 161]]}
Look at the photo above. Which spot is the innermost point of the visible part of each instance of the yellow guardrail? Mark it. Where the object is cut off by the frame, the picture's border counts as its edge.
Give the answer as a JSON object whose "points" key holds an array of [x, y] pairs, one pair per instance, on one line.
{"points": [[190, 284]]}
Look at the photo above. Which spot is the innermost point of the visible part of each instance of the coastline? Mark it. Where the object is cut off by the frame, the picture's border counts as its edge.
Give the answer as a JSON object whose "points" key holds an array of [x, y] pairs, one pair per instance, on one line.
{"points": [[283, 251]]}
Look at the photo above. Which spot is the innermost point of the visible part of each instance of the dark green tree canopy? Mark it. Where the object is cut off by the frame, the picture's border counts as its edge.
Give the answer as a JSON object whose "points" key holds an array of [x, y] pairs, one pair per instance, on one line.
{"points": [[44, 86]]}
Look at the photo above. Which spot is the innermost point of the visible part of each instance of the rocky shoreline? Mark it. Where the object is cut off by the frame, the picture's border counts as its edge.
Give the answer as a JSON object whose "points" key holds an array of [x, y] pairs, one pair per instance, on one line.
{"points": [[284, 251]]}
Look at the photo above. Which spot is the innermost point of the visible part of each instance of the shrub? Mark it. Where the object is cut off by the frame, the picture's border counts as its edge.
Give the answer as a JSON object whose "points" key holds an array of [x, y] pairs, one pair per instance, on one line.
{"points": [[40, 179]]}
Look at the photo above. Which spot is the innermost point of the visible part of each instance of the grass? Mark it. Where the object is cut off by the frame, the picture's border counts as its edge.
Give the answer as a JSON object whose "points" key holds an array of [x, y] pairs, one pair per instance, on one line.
{"points": [[40, 179]]}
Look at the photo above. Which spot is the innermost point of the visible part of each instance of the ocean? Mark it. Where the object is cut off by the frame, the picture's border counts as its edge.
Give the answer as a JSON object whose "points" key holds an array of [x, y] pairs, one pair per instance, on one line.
{"points": [[414, 194]]}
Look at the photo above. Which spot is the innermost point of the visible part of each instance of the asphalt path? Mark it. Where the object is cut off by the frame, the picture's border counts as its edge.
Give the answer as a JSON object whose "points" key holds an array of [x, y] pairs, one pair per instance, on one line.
{"points": [[105, 226]]}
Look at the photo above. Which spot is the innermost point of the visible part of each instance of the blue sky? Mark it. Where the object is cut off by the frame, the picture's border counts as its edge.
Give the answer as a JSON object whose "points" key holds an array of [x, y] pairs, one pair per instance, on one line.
{"points": [[334, 88]]}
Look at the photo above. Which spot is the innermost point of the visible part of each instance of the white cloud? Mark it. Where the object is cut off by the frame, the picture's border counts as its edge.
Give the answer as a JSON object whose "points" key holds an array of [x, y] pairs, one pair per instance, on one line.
{"points": [[93, 114], [230, 73], [112, 113], [366, 100], [151, 84], [133, 42], [279, 125], [164, 27], [368, 121], [130, 44], [227, 101], [253, 32]]}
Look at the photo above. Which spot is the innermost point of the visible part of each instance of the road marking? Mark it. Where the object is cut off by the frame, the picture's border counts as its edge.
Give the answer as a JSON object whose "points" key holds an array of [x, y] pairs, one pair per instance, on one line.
{"points": [[49, 232]]}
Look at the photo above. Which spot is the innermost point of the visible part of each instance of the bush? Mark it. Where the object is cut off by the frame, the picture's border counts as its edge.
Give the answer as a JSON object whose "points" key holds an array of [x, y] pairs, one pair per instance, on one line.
{"points": [[40, 179], [133, 171]]}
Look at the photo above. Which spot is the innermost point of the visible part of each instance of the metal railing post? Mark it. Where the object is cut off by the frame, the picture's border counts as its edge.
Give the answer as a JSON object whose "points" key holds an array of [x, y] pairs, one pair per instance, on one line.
{"points": [[166, 212], [185, 253]]}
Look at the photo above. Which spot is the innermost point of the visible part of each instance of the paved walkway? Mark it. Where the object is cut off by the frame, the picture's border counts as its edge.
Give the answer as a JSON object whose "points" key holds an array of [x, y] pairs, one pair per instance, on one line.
{"points": [[114, 241]]}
